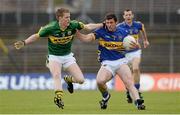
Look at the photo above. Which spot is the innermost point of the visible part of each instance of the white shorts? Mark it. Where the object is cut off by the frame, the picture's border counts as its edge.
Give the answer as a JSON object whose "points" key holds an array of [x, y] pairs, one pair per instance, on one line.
{"points": [[66, 60], [112, 66], [130, 55]]}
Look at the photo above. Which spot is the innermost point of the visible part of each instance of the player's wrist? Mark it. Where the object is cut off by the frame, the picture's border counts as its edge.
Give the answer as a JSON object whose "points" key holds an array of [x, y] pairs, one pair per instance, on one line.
{"points": [[24, 43], [104, 24]]}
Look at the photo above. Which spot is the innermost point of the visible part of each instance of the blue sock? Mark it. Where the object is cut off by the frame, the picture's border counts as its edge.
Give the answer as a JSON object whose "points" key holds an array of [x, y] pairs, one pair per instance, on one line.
{"points": [[137, 86], [105, 94]]}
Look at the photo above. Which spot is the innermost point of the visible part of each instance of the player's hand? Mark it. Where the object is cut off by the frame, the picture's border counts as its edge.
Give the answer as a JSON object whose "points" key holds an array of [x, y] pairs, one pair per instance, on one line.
{"points": [[19, 44], [134, 45], [104, 25], [146, 43]]}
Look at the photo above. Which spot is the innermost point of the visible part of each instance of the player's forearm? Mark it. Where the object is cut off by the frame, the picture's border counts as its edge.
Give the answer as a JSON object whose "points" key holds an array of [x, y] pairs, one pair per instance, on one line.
{"points": [[92, 26], [145, 40], [83, 37], [144, 36], [31, 39], [89, 37]]}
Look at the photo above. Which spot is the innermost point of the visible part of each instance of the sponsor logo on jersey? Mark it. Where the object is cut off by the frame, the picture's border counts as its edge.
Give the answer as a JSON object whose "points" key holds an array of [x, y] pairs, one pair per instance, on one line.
{"points": [[111, 45], [61, 40], [69, 32]]}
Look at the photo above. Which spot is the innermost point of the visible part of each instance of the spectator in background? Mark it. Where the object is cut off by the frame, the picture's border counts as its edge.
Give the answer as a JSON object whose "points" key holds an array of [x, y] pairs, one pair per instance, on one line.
{"points": [[69, 2], [60, 34], [134, 28]]}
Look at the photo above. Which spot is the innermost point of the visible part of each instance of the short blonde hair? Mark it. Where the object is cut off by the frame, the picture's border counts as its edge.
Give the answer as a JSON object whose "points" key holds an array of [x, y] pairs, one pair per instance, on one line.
{"points": [[60, 12]]}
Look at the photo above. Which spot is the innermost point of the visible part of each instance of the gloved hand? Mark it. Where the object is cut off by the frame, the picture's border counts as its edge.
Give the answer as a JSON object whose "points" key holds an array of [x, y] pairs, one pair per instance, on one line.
{"points": [[19, 44]]}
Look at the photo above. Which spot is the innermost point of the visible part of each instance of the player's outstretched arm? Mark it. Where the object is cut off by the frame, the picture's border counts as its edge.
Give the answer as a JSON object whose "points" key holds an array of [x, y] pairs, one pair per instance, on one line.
{"points": [[92, 26], [85, 38], [20, 44]]}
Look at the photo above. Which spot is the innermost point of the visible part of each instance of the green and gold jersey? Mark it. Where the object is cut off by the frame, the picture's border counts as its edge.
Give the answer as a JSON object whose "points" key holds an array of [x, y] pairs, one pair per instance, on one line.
{"points": [[60, 41]]}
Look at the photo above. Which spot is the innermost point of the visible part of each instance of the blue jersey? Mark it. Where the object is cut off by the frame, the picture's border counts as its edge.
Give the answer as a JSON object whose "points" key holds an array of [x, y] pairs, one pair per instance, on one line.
{"points": [[134, 29], [110, 43]]}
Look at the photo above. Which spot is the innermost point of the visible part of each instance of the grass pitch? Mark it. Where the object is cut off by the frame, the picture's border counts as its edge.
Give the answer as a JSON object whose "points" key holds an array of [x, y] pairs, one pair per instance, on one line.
{"points": [[85, 102]]}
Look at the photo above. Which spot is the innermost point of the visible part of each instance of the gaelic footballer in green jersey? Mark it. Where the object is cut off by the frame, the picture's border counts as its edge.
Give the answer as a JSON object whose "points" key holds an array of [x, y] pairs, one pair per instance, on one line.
{"points": [[60, 41], [60, 36]]}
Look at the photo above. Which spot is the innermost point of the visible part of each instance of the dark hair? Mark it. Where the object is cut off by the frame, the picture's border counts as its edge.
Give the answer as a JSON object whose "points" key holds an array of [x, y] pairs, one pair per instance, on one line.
{"points": [[60, 12], [127, 10], [111, 16]]}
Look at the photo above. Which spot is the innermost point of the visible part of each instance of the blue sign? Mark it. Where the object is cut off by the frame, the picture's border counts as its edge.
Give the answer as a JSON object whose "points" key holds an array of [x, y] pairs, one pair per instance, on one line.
{"points": [[44, 81]]}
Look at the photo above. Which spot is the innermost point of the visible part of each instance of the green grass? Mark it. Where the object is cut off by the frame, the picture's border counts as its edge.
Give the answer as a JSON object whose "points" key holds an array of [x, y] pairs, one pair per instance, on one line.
{"points": [[85, 102]]}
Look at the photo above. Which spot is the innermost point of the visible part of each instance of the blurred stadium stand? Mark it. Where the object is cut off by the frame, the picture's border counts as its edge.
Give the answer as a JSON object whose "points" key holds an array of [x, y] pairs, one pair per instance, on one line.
{"points": [[21, 18]]}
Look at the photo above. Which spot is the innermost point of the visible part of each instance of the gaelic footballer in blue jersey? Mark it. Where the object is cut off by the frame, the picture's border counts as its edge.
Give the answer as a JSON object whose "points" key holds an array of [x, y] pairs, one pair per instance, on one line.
{"points": [[110, 43], [112, 58], [134, 28]]}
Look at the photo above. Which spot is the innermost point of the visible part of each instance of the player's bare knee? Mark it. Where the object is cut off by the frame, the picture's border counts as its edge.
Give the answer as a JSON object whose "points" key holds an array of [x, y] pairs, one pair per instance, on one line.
{"points": [[80, 80]]}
